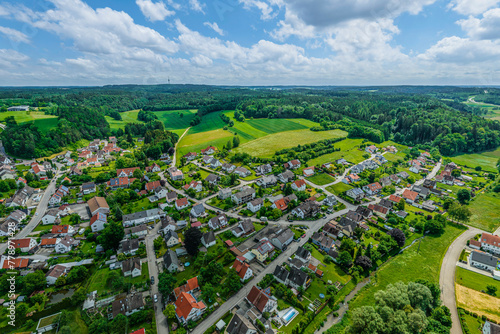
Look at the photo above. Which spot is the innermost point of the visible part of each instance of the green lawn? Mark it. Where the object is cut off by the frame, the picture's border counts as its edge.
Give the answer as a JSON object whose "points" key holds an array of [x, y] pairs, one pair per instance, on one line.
{"points": [[275, 125], [475, 281], [140, 205], [127, 117], [410, 266], [321, 179], [475, 325], [99, 281], [348, 150], [45, 124], [338, 188], [331, 271], [487, 160], [266, 146], [485, 208]]}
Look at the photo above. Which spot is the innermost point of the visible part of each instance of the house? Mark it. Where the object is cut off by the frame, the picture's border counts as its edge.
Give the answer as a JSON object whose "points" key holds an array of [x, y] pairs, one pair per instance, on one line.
{"points": [[136, 231], [264, 169], [25, 245], [267, 181], [181, 203], [214, 163], [294, 278], [171, 196], [229, 168], [394, 178], [323, 241], [131, 267], [255, 205], [286, 176], [208, 150], [171, 238], [372, 188], [410, 196], [142, 217], [355, 193], [488, 328], [380, 159], [150, 186], [242, 172], [242, 268], [167, 224], [208, 239], [429, 184], [191, 287], [97, 222], [190, 156], [282, 238], [154, 168], [124, 172], [394, 198], [212, 179], [176, 175], [379, 210], [66, 244], [330, 200], [197, 210], [194, 184], [422, 192], [303, 254], [386, 203], [196, 224], [246, 194], [403, 175], [294, 164], [263, 250], [241, 325], [483, 261], [170, 261], [224, 193], [165, 158], [262, 300], [63, 230], [401, 214], [54, 273], [371, 149], [160, 192], [188, 309], [207, 159], [308, 171], [49, 242], [4, 160], [351, 178], [244, 227], [127, 306], [416, 169], [98, 204], [333, 230], [15, 263], [386, 181], [218, 222], [50, 216], [490, 243], [364, 212], [129, 246], [120, 182], [280, 204], [307, 209], [299, 185]]}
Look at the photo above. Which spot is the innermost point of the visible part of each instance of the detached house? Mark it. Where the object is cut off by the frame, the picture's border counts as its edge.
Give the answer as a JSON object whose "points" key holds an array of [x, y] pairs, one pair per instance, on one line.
{"points": [[373, 188], [181, 203], [170, 261], [208, 239], [282, 239], [242, 268], [355, 193], [88, 188], [197, 210], [171, 238], [131, 267], [307, 209], [196, 185], [208, 150], [242, 172], [218, 222], [187, 308], [155, 168], [50, 217], [262, 300], [98, 204], [54, 273], [286, 176], [63, 230], [299, 185], [294, 164], [190, 156], [265, 169], [124, 172], [244, 227], [66, 244], [263, 250], [490, 243], [25, 245], [255, 205]]}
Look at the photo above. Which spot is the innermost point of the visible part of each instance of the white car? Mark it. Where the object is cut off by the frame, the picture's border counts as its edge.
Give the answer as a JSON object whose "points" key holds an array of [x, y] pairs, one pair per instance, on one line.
{"points": [[156, 298]]}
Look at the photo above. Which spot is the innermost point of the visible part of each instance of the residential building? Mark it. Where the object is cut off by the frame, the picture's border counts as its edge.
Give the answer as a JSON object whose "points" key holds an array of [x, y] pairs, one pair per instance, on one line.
{"points": [[170, 261], [242, 268], [98, 204], [355, 193], [213, 179], [490, 243], [372, 188], [293, 164], [181, 203], [330, 200], [66, 244], [208, 239], [299, 185], [25, 245], [241, 325], [208, 150], [120, 182], [308, 171], [488, 328], [127, 306], [63, 230], [410, 196], [50, 216], [307, 209], [97, 222], [150, 186], [286, 176], [255, 205], [263, 250], [303, 254], [282, 238], [244, 227], [129, 246], [323, 241], [246, 194], [131, 267], [142, 217], [264, 169], [483, 261], [218, 222], [187, 308], [262, 300], [136, 231], [371, 149], [54, 273], [294, 278], [194, 184], [171, 238], [197, 210], [242, 172], [224, 193], [124, 172], [267, 181], [191, 287], [154, 168], [229, 168]]}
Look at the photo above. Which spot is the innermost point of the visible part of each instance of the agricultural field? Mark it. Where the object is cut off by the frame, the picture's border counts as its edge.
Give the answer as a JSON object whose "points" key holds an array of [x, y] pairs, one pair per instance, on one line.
{"points": [[487, 160], [485, 208], [209, 122], [266, 146], [275, 125], [475, 281], [478, 302], [349, 150], [45, 124], [173, 120], [402, 267], [42, 121]]}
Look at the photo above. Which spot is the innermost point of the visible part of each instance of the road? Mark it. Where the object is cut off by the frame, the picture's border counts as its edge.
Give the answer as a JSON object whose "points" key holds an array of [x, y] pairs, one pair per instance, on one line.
{"points": [[447, 276], [161, 320], [174, 157], [39, 213]]}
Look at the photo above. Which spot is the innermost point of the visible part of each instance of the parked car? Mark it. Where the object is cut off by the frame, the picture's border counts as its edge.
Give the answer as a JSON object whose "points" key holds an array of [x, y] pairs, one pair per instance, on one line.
{"points": [[152, 280], [156, 298]]}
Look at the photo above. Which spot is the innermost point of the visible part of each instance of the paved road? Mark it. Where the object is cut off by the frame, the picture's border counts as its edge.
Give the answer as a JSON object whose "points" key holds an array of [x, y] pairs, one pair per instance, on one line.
{"points": [[40, 211], [161, 320], [447, 276]]}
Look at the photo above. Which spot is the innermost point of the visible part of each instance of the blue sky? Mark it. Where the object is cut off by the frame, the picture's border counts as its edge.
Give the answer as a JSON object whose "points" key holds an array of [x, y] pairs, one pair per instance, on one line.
{"points": [[250, 42]]}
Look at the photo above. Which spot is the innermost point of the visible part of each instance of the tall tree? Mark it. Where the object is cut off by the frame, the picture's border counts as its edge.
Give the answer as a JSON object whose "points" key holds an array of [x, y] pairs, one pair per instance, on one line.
{"points": [[192, 240]]}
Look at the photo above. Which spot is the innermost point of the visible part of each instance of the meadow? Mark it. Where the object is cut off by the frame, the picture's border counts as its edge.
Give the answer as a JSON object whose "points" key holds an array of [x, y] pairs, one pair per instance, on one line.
{"points": [[321, 179], [475, 281], [478, 302], [487, 160], [485, 208], [349, 150]]}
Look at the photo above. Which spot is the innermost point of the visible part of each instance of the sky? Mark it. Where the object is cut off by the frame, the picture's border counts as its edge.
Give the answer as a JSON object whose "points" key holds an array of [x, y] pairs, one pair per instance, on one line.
{"points": [[249, 42]]}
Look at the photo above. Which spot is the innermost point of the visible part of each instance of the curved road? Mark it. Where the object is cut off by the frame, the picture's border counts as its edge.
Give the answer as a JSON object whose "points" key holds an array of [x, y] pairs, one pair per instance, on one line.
{"points": [[447, 275]]}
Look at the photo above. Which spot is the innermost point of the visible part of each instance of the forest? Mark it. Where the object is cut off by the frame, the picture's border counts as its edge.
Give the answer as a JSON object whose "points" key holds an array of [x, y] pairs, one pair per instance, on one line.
{"points": [[417, 116]]}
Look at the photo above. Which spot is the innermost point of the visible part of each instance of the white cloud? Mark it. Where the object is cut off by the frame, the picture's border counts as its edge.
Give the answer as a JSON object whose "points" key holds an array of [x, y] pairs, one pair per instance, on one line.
{"points": [[201, 61], [462, 51], [487, 27], [154, 11], [472, 7], [215, 27], [14, 35], [197, 6], [264, 7], [10, 59]]}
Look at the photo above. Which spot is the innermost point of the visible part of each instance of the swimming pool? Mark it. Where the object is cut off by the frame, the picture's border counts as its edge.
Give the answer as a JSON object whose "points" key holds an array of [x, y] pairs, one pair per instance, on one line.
{"points": [[289, 315]]}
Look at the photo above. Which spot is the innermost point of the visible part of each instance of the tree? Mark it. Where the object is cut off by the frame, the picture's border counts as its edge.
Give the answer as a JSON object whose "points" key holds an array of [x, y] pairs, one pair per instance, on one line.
{"points": [[138, 174], [366, 320], [208, 293], [79, 296], [491, 289], [157, 243], [118, 213], [348, 245], [463, 196], [364, 262], [166, 283], [111, 236], [169, 312], [211, 272], [433, 226], [345, 259], [34, 282], [456, 172], [401, 205], [119, 324], [192, 240], [99, 326], [232, 283], [398, 236], [236, 141]]}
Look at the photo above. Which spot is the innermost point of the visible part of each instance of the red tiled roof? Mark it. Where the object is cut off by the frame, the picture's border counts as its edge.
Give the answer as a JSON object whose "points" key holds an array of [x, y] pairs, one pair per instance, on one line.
{"points": [[280, 204], [490, 239], [60, 229], [410, 194], [240, 266], [185, 303], [21, 243], [299, 183], [139, 331], [374, 186], [48, 241], [15, 263], [152, 185], [191, 284], [229, 243], [473, 242], [181, 201], [127, 171], [258, 298], [311, 267], [394, 198]]}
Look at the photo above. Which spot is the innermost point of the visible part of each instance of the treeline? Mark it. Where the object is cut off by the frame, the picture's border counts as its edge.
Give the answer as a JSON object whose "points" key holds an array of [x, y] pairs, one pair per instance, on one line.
{"points": [[75, 123], [308, 151], [146, 116]]}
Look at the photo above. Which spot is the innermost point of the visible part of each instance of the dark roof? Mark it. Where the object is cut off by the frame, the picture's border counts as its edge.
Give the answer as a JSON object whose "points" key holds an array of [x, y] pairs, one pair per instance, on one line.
{"points": [[280, 273], [365, 212], [484, 258], [386, 203], [209, 237], [354, 216], [297, 276], [302, 253], [198, 208], [170, 257], [239, 325]]}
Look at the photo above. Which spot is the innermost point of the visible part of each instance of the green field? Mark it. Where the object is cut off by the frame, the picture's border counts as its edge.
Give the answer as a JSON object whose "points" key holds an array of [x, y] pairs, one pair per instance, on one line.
{"points": [[475, 325], [172, 119], [338, 188], [321, 179], [45, 124], [487, 160], [485, 208], [275, 125], [209, 122], [474, 280], [410, 266], [127, 117], [42, 121], [268, 145], [246, 131], [348, 150]]}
